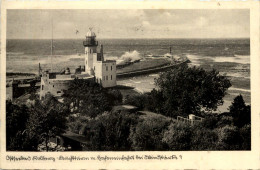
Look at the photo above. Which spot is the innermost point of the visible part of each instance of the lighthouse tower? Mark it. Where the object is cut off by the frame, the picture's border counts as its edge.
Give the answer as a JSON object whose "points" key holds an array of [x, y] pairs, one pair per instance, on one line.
{"points": [[104, 71], [90, 45]]}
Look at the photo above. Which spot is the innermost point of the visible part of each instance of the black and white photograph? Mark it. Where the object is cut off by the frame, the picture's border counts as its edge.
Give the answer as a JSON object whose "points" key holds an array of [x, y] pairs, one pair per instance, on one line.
{"points": [[128, 80]]}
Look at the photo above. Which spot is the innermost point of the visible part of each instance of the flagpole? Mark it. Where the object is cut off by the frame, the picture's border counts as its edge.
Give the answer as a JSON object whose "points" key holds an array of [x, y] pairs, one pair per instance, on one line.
{"points": [[51, 41]]}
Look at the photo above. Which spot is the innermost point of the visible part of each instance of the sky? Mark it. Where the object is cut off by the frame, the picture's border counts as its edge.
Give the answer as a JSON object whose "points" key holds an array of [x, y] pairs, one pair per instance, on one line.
{"points": [[130, 23]]}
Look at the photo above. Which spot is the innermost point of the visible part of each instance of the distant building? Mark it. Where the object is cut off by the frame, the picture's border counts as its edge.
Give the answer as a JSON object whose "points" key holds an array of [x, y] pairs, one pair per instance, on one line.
{"points": [[96, 69], [104, 71]]}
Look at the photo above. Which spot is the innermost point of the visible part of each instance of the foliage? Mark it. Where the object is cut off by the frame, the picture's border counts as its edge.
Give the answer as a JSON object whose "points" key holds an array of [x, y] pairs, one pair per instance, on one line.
{"points": [[89, 98], [110, 131], [178, 136], [114, 96], [203, 138], [77, 124], [240, 112], [137, 100], [187, 90], [16, 119], [225, 120], [148, 133], [148, 101], [228, 138], [245, 133], [47, 119]]}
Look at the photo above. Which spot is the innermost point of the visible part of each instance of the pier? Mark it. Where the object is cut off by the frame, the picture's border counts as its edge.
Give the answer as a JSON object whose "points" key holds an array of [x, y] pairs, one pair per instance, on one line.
{"points": [[148, 71]]}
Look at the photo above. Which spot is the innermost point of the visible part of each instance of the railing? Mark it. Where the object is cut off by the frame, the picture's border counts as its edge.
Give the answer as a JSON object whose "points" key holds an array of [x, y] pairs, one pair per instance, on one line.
{"points": [[191, 121], [90, 43]]}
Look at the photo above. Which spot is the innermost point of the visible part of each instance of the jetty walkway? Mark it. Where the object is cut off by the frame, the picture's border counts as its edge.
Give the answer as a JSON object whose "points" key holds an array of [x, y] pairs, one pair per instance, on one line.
{"points": [[149, 70], [26, 80]]}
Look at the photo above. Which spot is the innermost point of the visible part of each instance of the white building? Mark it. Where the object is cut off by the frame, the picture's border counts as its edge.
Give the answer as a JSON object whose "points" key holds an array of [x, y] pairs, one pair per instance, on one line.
{"points": [[103, 70], [96, 69]]}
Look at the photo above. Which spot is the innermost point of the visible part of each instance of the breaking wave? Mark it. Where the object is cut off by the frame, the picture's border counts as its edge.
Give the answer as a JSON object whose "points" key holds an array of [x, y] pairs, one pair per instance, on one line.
{"points": [[129, 57]]}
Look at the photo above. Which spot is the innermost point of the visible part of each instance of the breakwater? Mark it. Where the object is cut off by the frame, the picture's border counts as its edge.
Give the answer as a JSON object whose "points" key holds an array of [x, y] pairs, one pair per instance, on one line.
{"points": [[148, 71], [26, 80]]}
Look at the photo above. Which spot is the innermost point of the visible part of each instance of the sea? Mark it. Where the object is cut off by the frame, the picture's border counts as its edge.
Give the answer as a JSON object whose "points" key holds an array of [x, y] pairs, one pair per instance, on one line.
{"points": [[231, 57]]}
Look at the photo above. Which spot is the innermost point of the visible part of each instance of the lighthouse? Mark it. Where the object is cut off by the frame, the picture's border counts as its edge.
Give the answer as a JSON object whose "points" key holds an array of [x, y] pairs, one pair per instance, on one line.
{"points": [[90, 45], [95, 65]]}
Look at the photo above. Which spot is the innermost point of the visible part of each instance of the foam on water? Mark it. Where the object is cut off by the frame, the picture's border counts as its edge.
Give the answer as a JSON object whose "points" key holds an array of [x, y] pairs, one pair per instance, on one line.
{"points": [[241, 59], [129, 57], [240, 89]]}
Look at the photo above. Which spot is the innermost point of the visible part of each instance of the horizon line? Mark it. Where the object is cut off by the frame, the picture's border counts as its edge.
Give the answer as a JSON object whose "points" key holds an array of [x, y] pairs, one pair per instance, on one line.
{"points": [[123, 38]]}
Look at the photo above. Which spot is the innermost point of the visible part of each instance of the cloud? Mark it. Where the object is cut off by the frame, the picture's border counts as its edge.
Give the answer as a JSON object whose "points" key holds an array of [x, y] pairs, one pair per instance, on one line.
{"points": [[129, 23]]}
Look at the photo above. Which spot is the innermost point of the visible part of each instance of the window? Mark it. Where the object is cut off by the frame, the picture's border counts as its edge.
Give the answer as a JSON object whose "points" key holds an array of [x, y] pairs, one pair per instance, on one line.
{"points": [[106, 68], [42, 87], [111, 67], [111, 77], [104, 78], [107, 77], [53, 86]]}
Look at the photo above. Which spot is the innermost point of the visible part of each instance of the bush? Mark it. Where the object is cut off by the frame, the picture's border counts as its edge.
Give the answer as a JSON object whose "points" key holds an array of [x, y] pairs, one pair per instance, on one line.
{"points": [[229, 138], [110, 131], [225, 120], [148, 134], [210, 122], [137, 100], [178, 136], [114, 97], [245, 133], [203, 139]]}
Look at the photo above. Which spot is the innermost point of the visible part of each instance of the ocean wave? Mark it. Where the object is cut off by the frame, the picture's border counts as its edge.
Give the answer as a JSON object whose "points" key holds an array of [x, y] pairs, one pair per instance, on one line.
{"points": [[129, 57], [15, 53], [243, 75], [239, 89], [241, 59], [196, 59]]}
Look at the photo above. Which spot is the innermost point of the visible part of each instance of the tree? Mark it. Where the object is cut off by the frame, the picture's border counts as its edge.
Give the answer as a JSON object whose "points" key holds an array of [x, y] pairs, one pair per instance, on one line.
{"points": [[47, 120], [148, 133], [187, 90], [225, 120], [203, 138], [229, 138], [245, 133], [87, 98], [110, 131], [240, 112], [114, 96], [210, 121], [16, 119], [178, 136], [137, 100]]}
